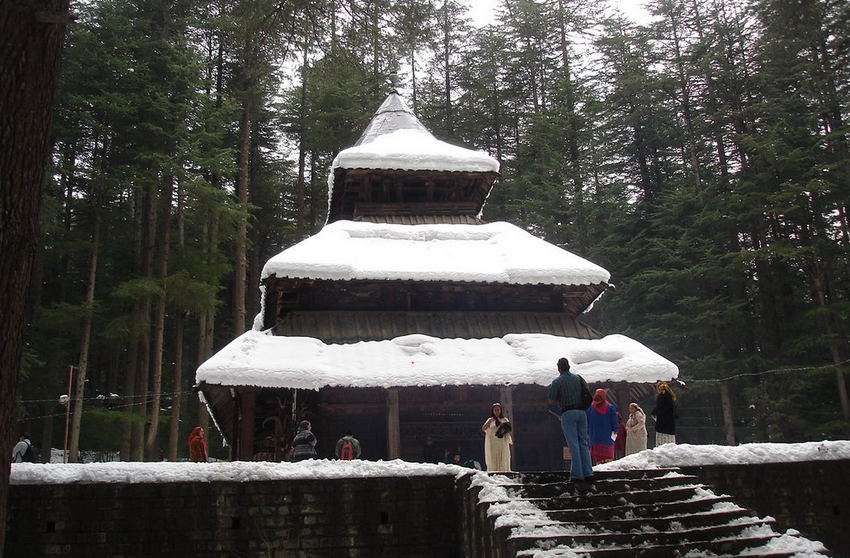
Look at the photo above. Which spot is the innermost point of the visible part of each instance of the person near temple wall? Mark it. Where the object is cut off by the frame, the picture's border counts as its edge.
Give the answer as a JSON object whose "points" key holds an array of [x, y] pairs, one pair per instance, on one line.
{"points": [[20, 449], [348, 447], [665, 415], [497, 440], [568, 391], [620, 442], [635, 429], [304, 443], [602, 427], [198, 450]]}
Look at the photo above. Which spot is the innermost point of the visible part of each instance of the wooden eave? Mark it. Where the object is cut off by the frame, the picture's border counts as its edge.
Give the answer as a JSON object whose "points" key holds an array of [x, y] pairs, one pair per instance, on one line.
{"points": [[353, 327], [415, 219], [285, 295], [358, 192]]}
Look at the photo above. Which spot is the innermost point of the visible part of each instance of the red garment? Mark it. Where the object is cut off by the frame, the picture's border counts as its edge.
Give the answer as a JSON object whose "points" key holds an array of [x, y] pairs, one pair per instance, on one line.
{"points": [[600, 453], [620, 442], [197, 447], [600, 408]]}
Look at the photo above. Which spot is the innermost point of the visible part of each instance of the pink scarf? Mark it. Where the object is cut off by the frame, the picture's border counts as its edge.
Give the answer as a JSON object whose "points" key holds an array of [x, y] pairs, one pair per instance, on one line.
{"points": [[602, 407]]}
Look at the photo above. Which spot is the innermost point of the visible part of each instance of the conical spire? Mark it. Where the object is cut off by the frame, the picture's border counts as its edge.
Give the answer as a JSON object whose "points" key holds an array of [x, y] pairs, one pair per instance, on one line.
{"points": [[392, 115], [398, 167]]}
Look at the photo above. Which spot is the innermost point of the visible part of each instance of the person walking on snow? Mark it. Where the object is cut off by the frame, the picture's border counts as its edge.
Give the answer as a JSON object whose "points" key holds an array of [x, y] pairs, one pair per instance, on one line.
{"points": [[635, 429], [570, 392], [602, 425], [664, 414], [198, 451], [348, 447], [304, 443], [20, 449], [497, 440]]}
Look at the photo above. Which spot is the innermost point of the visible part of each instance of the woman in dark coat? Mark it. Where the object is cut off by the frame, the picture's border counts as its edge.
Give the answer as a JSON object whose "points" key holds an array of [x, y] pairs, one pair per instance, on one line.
{"points": [[664, 414], [304, 443]]}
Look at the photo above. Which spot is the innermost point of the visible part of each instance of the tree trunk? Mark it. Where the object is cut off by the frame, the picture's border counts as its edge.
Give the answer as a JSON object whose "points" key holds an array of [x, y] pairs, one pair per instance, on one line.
{"points": [[728, 421], [163, 226], [82, 364], [30, 56], [140, 403], [179, 321], [302, 151], [572, 135], [174, 432], [447, 67], [242, 221], [253, 261]]}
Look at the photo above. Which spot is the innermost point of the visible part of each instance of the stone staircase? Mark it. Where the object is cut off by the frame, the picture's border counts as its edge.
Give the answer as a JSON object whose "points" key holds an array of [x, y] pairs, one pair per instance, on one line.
{"points": [[658, 513]]}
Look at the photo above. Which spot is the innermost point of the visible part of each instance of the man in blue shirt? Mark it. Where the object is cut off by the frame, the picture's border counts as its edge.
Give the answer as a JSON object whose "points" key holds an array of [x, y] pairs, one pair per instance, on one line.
{"points": [[567, 391]]}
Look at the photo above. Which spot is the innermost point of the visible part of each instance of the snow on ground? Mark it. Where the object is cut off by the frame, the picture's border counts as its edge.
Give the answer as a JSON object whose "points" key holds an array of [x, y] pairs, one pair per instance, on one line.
{"points": [[667, 456], [258, 358], [230, 471], [688, 455]]}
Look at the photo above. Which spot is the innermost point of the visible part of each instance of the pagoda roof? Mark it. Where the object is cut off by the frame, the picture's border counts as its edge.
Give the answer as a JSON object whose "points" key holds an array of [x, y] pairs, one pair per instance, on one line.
{"points": [[490, 253], [396, 139], [260, 359], [398, 167]]}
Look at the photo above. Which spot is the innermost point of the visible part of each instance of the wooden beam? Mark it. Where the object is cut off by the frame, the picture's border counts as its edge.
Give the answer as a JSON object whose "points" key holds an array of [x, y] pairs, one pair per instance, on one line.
{"points": [[506, 398], [393, 426], [247, 414]]}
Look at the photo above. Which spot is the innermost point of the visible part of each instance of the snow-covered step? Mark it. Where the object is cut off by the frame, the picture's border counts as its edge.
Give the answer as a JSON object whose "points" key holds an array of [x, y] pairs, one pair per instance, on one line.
{"points": [[607, 487], [665, 509], [585, 535], [747, 546], [595, 498], [629, 522], [627, 514], [545, 477]]}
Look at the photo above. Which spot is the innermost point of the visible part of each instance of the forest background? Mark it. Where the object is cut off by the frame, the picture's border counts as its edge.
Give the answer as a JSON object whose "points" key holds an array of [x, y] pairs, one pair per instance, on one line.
{"points": [[701, 158]]}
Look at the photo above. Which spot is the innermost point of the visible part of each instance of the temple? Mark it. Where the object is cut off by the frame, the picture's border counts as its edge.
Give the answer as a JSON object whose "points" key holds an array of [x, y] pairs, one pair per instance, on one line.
{"points": [[408, 315]]}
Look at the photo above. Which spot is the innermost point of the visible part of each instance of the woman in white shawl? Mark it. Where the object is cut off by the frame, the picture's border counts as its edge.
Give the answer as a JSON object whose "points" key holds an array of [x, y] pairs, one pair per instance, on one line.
{"points": [[497, 440], [635, 430]]}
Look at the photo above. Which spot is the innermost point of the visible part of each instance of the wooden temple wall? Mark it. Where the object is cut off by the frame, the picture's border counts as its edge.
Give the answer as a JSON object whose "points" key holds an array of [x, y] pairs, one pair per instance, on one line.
{"points": [[420, 424]]}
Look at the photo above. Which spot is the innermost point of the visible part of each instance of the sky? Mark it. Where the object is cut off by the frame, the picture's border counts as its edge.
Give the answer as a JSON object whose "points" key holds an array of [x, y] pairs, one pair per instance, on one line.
{"points": [[520, 516], [482, 11]]}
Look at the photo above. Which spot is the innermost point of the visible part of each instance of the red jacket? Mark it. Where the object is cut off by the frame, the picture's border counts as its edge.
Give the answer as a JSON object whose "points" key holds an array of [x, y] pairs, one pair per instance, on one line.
{"points": [[197, 446]]}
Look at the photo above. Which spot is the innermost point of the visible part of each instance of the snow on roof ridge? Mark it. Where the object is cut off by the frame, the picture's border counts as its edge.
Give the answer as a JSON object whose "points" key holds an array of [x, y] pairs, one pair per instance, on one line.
{"points": [[396, 139]]}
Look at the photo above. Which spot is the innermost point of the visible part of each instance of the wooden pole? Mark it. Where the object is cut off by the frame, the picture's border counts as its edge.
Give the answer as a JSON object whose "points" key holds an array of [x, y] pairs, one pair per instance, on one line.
{"points": [[68, 412], [393, 426]]}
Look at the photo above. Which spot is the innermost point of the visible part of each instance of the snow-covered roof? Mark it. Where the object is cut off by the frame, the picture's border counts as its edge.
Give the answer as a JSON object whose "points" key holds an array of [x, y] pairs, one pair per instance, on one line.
{"points": [[395, 139], [264, 360], [492, 253]]}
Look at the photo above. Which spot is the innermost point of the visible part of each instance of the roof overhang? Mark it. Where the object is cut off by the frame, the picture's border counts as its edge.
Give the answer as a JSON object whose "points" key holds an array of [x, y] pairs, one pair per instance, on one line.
{"points": [[267, 361]]}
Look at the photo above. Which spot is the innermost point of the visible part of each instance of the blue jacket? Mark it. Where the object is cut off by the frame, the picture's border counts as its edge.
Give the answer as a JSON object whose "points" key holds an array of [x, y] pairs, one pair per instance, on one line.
{"points": [[600, 427]]}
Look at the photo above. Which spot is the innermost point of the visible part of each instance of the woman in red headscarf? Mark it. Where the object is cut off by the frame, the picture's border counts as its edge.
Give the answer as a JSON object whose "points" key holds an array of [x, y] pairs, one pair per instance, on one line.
{"points": [[602, 425], [198, 446]]}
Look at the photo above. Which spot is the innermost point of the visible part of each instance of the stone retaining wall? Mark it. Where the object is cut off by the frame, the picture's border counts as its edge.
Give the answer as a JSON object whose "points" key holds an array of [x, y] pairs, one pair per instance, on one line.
{"points": [[414, 517], [376, 517], [811, 497]]}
